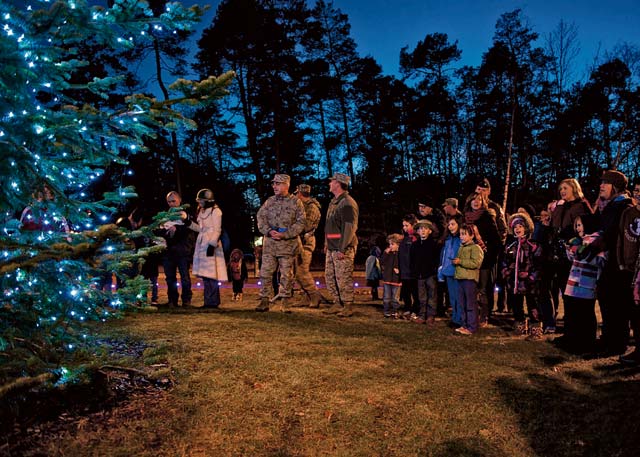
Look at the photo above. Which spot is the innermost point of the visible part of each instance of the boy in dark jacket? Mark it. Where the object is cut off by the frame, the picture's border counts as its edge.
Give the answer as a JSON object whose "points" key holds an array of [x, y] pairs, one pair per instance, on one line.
{"points": [[391, 276], [424, 265]]}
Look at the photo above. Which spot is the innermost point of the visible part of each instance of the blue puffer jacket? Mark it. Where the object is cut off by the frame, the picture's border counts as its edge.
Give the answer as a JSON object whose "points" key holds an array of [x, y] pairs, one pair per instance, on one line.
{"points": [[449, 252]]}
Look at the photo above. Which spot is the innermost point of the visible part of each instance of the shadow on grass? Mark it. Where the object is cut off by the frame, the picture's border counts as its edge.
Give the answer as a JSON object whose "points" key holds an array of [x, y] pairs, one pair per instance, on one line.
{"points": [[585, 412], [471, 447]]}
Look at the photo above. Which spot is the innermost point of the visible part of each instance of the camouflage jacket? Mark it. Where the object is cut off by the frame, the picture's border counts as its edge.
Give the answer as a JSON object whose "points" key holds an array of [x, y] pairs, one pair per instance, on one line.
{"points": [[311, 220], [341, 223], [285, 215]]}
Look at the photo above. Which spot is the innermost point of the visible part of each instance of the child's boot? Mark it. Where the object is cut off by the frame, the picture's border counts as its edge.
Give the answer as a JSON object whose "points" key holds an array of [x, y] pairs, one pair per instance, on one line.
{"points": [[520, 327], [535, 332]]}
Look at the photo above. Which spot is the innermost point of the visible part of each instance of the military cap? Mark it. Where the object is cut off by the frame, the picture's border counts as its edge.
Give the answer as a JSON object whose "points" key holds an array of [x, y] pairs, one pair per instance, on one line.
{"points": [[484, 184], [341, 177], [279, 177], [304, 188]]}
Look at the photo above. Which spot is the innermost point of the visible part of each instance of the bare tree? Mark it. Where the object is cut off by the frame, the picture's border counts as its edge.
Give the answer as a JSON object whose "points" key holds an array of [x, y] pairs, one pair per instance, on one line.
{"points": [[563, 47]]}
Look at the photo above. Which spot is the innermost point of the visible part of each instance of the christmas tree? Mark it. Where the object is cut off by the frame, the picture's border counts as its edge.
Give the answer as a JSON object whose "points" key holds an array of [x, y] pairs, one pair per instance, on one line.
{"points": [[57, 134]]}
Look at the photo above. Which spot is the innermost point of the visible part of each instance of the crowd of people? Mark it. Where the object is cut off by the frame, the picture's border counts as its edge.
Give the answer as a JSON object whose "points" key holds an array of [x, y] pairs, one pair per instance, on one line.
{"points": [[465, 263], [458, 259]]}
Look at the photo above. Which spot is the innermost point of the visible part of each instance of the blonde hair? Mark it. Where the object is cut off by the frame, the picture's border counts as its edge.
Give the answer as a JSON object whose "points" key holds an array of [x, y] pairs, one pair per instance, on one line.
{"points": [[575, 187]]}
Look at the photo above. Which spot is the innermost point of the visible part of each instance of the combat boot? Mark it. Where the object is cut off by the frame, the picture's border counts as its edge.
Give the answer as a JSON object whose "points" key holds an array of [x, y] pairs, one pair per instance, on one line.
{"points": [[263, 306], [303, 303], [314, 299], [286, 305], [335, 309], [346, 311]]}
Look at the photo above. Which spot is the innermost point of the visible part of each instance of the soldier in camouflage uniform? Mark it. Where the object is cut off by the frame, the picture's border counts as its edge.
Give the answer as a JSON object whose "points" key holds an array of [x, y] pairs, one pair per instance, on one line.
{"points": [[281, 221], [308, 238], [341, 243]]}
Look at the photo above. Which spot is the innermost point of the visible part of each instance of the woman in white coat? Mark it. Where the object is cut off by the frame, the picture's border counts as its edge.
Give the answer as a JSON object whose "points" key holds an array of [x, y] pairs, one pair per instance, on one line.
{"points": [[208, 257]]}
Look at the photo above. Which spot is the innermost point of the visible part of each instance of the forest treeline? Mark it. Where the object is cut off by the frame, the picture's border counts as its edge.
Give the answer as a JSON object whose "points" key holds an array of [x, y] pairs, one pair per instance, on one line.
{"points": [[304, 102]]}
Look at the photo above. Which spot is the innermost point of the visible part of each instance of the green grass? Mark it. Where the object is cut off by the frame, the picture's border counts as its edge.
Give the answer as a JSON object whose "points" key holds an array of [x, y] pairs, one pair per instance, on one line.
{"points": [[308, 384]]}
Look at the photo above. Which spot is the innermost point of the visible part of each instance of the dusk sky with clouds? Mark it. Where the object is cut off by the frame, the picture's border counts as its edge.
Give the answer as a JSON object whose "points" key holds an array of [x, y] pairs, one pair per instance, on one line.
{"points": [[382, 27]]}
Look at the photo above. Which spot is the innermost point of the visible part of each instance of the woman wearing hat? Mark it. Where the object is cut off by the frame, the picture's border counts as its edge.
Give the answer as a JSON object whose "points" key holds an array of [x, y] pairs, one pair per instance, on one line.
{"points": [[208, 257]]}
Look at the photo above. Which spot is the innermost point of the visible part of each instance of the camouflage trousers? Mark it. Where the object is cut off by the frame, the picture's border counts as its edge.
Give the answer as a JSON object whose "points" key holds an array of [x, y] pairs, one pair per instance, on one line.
{"points": [[303, 275], [270, 264], [339, 276]]}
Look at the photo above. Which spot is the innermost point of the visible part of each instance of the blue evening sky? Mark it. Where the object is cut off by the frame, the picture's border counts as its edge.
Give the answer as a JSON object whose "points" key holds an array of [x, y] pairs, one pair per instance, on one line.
{"points": [[382, 27]]}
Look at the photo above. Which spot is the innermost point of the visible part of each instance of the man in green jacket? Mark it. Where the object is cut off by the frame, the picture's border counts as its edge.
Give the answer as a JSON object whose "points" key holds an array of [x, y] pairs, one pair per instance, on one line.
{"points": [[340, 244]]}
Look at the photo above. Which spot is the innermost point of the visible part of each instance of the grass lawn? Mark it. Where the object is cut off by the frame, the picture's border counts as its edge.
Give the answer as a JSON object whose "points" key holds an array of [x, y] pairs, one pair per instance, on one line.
{"points": [[307, 384]]}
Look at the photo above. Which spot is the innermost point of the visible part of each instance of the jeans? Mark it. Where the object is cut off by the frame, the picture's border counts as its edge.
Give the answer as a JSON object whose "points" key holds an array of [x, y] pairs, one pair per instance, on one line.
{"points": [[211, 293], [456, 309], [390, 299], [170, 265], [428, 294]]}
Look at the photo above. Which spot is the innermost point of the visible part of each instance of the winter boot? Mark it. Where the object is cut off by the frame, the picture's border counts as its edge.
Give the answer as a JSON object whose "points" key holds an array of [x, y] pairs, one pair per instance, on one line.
{"points": [[314, 299], [286, 305], [235, 297], [374, 294], [535, 332], [520, 327], [346, 311], [335, 309], [239, 296], [303, 302], [264, 305]]}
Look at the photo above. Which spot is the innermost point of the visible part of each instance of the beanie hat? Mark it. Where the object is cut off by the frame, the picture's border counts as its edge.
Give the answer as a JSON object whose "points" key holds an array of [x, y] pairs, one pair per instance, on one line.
{"points": [[616, 179]]}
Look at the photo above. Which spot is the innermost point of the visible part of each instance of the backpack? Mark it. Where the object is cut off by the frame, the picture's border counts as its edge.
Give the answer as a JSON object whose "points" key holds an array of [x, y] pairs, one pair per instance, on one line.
{"points": [[236, 269]]}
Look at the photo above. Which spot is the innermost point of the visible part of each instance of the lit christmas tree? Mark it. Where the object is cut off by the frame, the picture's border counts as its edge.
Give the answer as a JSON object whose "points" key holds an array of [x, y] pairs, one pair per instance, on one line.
{"points": [[54, 142]]}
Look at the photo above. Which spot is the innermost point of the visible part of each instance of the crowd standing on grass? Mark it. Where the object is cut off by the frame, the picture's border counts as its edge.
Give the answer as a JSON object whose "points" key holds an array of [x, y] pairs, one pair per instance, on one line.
{"points": [[444, 260]]}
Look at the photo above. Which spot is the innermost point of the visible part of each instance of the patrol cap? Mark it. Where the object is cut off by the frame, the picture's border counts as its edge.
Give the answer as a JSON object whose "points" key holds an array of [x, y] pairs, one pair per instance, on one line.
{"points": [[279, 177], [451, 202], [304, 188], [484, 184], [341, 177]]}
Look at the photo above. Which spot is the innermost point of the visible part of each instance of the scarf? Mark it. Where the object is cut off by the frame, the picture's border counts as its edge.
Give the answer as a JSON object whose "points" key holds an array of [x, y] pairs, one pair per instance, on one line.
{"points": [[471, 216]]}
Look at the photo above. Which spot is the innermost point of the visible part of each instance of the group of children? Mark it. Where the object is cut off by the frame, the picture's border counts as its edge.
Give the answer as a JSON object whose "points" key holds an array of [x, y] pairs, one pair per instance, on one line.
{"points": [[457, 261]]}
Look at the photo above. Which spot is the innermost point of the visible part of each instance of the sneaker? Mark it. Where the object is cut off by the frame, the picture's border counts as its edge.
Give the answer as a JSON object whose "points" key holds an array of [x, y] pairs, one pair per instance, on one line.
{"points": [[549, 330], [464, 331], [388, 316]]}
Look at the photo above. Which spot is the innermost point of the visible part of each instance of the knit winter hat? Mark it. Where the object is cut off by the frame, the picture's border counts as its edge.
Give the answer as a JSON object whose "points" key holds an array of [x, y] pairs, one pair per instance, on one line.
{"points": [[616, 179]]}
